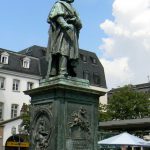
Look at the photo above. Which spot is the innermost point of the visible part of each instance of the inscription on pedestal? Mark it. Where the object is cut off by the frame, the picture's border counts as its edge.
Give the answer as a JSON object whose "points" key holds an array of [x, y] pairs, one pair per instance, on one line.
{"points": [[78, 144], [81, 145]]}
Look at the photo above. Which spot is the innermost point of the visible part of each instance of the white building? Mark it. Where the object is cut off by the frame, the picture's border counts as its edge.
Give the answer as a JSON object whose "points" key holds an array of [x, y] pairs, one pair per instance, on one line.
{"points": [[18, 73]]}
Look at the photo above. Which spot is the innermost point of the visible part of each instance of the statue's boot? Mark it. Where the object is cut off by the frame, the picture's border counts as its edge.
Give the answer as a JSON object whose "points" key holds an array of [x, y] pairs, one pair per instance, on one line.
{"points": [[63, 66]]}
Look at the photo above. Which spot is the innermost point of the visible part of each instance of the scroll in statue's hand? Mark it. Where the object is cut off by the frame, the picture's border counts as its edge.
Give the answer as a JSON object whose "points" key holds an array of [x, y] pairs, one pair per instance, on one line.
{"points": [[72, 20], [69, 27]]}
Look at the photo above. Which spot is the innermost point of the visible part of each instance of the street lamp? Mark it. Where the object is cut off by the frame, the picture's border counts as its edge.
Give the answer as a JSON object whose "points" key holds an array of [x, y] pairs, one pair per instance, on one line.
{"points": [[19, 131], [13, 131]]}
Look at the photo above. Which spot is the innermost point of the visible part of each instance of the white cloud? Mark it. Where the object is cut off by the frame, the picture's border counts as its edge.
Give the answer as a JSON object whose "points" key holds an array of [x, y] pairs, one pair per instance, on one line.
{"points": [[127, 43], [118, 70]]}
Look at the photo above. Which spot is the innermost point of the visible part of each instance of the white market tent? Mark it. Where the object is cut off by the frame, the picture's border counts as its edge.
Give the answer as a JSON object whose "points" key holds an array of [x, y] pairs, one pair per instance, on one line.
{"points": [[124, 139]]}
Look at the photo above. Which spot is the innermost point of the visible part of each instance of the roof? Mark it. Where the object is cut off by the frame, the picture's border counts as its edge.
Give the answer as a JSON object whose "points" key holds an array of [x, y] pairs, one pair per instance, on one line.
{"points": [[92, 68], [142, 86], [138, 87], [34, 51], [97, 68], [130, 124], [38, 64], [9, 120], [16, 63]]}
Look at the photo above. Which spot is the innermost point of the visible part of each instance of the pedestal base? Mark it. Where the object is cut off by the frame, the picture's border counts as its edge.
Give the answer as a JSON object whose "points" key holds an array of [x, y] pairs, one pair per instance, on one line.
{"points": [[64, 114]]}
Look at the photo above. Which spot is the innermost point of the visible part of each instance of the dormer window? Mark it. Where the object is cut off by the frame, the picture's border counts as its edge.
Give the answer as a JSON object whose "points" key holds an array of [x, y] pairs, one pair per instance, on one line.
{"points": [[94, 61], [26, 62], [83, 58], [4, 57], [86, 75], [96, 78]]}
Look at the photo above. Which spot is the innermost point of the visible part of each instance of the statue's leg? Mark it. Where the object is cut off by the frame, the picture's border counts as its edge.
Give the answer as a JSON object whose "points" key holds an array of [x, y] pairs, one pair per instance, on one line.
{"points": [[71, 65], [49, 66], [63, 65], [54, 63]]}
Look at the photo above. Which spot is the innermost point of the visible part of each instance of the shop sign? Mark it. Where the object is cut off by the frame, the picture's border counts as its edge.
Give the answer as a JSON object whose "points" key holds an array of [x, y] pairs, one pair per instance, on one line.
{"points": [[17, 144]]}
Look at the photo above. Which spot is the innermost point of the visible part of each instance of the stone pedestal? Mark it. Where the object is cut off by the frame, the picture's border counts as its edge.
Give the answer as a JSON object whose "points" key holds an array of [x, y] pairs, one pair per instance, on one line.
{"points": [[64, 114]]}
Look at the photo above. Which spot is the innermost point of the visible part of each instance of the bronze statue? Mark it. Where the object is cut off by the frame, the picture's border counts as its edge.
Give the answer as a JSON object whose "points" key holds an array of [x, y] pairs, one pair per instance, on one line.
{"points": [[63, 49]]}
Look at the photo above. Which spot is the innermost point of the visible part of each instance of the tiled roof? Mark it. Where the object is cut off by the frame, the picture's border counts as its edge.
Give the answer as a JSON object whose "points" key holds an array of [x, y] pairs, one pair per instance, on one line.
{"points": [[125, 124], [38, 64], [15, 63]]}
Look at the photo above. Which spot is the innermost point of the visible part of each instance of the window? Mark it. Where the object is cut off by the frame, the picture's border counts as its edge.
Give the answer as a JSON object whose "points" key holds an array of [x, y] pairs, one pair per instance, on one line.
{"points": [[15, 85], [83, 57], [96, 78], [94, 61], [26, 62], [4, 58], [14, 110], [2, 82], [29, 85], [1, 110], [86, 75]]}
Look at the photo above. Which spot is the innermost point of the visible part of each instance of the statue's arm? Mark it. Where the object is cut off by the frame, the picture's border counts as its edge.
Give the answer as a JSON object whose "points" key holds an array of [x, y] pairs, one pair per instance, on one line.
{"points": [[56, 11], [78, 22], [63, 24], [48, 19]]}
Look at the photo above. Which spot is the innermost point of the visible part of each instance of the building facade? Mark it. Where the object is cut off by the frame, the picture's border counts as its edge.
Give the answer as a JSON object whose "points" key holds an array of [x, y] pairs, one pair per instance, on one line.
{"points": [[17, 73], [144, 87]]}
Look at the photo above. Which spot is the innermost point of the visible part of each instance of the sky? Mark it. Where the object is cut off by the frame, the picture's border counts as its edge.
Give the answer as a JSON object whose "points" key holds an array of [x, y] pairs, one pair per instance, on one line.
{"points": [[126, 49], [117, 31], [23, 22]]}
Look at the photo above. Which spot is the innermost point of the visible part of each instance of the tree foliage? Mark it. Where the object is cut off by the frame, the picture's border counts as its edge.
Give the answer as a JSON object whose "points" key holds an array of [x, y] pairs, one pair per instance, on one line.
{"points": [[25, 116], [127, 103], [103, 114]]}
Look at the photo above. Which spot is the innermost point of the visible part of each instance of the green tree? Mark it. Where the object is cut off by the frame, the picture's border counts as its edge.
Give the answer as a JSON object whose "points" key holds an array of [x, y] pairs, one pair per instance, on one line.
{"points": [[25, 116], [127, 103], [103, 114]]}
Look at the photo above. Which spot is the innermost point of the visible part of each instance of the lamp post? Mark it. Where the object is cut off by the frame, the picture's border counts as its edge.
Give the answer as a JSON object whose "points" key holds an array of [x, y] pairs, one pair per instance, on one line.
{"points": [[13, 131], [19, 131]]}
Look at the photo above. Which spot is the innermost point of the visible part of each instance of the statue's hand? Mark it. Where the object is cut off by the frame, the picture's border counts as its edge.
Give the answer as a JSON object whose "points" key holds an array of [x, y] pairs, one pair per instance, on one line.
{"points": [[69, 27], [72, 20]]}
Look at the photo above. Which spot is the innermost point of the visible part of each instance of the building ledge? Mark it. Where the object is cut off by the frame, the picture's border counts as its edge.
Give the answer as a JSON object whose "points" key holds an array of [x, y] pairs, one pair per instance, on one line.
{"points": [[131, 124], [9, 120]]}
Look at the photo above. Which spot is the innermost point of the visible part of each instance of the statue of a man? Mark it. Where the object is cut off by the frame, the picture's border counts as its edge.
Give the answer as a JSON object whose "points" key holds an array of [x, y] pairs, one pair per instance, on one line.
{"points": [[63, 49]]}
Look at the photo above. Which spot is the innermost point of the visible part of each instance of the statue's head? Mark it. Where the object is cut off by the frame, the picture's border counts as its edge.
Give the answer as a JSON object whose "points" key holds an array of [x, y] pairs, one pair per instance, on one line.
{"points": [[68, 1]]}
